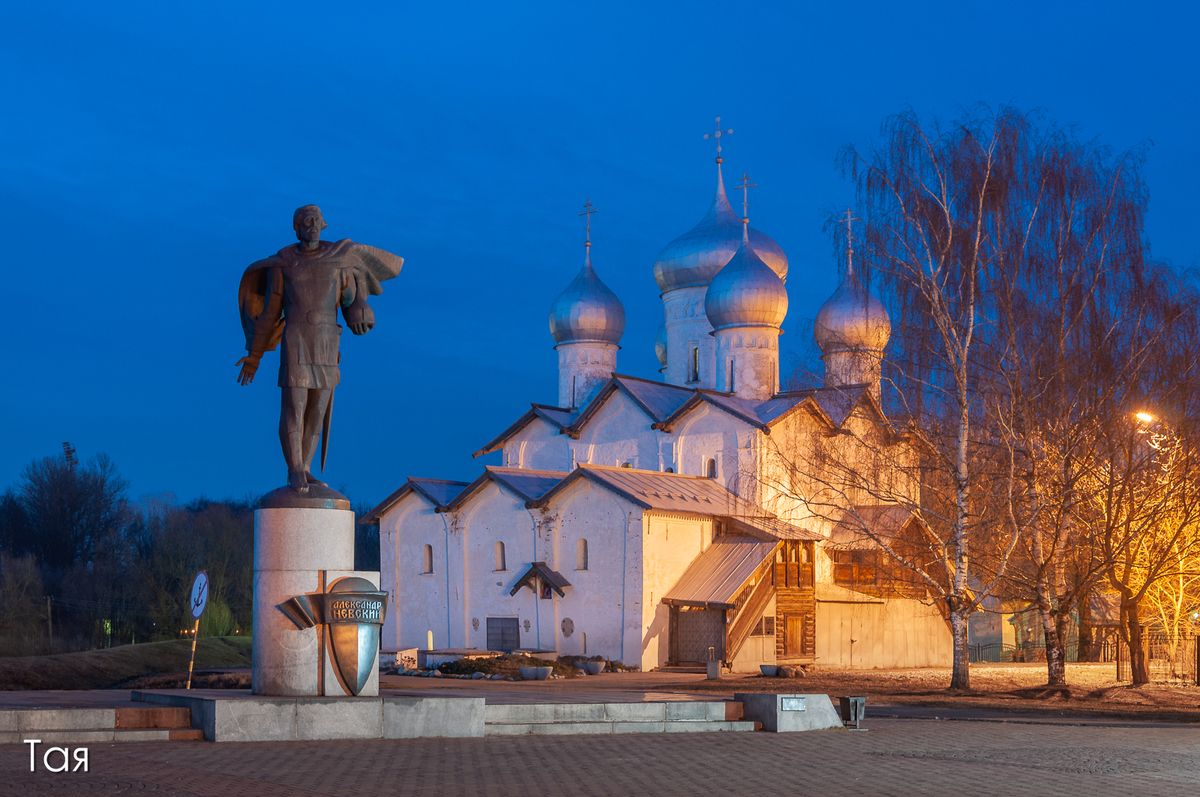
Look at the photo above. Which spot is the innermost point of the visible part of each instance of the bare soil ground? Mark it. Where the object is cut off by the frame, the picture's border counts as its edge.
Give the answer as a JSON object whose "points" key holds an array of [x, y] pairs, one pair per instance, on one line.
{"points": [[1091, 689]]}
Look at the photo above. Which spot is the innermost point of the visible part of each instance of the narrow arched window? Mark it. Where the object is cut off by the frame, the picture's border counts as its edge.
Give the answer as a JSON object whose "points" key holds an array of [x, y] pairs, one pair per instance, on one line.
{"points": [[710, 469], [694, 365], [732, 384], [581, 554], [498, 555], [427, 559]]}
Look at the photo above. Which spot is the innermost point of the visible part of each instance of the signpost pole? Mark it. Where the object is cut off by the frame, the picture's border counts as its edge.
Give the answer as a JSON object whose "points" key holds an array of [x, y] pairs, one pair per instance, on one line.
{"points": [[197, 604], [192, 660]]}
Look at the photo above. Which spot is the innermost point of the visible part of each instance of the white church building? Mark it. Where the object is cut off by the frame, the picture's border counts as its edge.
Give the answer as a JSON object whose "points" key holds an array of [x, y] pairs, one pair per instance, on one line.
{"points": [[658, 522]]}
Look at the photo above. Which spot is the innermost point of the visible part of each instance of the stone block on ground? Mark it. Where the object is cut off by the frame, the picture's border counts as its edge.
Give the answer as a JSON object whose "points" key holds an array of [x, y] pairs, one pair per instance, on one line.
{"points": [[785, 713]]}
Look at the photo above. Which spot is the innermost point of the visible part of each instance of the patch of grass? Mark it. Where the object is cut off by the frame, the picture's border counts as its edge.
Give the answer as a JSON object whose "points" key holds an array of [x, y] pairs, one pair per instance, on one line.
{"points": [[109, 667]]}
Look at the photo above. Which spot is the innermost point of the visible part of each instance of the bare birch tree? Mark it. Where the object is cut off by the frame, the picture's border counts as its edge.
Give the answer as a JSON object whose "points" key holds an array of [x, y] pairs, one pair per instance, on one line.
{"points": [[1077, 246], [933, 201]]}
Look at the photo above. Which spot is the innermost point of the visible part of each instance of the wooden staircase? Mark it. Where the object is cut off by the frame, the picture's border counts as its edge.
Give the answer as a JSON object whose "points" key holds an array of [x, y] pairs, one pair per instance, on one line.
{"points": [[747, 616]]}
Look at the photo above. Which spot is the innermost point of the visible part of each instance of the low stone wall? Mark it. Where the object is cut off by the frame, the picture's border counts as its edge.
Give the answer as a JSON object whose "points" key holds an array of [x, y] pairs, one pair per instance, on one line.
{"points": [[251, 718], [787, 713]]}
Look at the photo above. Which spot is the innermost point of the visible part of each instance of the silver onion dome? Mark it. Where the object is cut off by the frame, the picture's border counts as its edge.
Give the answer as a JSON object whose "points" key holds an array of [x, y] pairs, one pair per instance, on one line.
{"points": [[695, 257], [852, 319], [660, 346], [746, 293], [587, 311]]}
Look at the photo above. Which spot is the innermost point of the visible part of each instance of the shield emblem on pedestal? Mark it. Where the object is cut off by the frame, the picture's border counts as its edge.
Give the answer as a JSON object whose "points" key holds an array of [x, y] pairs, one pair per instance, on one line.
{"points": [[354, 611]]}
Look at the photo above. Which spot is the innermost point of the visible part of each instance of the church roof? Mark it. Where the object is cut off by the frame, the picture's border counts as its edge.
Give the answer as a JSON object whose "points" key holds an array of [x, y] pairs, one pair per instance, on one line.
{"points": [[438, 492], [665, 404], [717, 576], [529, 485], [657, 399], [676, 492], [559, 417]]}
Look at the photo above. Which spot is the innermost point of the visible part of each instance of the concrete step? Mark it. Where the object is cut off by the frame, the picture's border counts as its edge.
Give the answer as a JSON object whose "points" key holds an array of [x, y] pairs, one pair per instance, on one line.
{"points": [[83, 725], [690, 710], [574, 728], [589, 718], [53, 736], [154, 717]]}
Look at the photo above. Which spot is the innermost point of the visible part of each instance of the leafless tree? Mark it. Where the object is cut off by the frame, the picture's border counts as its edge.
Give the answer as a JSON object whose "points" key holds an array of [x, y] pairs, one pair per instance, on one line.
{"points": [[1076, 248], [935, 202]]}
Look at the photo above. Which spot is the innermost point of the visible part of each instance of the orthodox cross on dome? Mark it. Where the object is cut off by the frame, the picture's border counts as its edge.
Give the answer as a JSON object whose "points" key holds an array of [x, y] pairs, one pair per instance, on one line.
{"points": [[746, 185], [716, 135], [588, 210], [849, 219]]}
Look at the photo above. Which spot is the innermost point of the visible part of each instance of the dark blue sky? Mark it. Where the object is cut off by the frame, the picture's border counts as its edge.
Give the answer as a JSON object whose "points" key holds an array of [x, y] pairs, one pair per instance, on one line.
{"points": [[149, 152]]}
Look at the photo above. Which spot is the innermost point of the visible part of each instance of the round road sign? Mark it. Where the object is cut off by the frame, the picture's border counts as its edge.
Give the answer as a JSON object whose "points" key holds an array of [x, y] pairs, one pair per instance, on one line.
{"points": [[199, 598]]}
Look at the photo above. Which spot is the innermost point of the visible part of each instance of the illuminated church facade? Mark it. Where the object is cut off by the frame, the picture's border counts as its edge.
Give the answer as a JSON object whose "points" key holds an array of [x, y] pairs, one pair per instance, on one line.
{"points": [[665, 521]]}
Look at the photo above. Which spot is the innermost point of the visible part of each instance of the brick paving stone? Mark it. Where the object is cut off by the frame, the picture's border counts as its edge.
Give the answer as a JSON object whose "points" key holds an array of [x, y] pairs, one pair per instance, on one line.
{"points": [[896, 757]]}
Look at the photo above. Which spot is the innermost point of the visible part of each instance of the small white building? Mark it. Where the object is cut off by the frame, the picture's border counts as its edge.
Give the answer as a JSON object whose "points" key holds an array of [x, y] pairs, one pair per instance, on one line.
{"points": [[651, 522]]}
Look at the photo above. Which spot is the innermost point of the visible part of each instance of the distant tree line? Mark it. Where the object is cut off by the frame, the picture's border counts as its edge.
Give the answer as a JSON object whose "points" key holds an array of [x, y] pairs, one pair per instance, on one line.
{"points": [[83, 566]]}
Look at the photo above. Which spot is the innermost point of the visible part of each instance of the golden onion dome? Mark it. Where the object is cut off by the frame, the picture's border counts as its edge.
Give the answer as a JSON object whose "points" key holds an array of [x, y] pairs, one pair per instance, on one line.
{"points": [[694, 258], [587, 310], [852, 319], [746, 292]]}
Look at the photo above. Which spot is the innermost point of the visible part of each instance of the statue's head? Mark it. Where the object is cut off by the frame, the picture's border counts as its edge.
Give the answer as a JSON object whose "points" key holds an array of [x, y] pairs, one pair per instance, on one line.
{"points": [[308, 222]]}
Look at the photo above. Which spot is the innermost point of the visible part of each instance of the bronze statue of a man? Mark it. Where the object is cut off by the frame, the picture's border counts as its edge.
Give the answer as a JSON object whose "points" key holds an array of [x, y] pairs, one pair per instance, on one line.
{"points": [[294, 296]]}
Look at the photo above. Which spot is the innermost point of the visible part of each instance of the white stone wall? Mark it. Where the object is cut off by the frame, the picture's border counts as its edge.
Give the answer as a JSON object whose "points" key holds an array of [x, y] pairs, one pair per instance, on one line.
{"points": [[709, 433], [540, 446], [854, 367], [603, 602], [670, 543], [751, 357], [620, 432], [582, 369], [793, 468], [688, 327], [417, 602]]}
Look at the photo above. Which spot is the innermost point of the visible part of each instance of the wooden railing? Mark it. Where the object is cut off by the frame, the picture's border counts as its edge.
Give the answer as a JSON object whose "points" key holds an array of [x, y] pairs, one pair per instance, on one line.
{"points": [[747, 617]]}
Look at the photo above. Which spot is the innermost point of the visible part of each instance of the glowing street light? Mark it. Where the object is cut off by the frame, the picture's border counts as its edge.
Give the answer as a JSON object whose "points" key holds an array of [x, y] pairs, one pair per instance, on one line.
{"points": [[1145, 417]]}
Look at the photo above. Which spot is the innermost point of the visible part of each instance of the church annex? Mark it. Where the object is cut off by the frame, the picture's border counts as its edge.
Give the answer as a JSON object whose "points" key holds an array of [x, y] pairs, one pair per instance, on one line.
{"points": [[651, 521]]}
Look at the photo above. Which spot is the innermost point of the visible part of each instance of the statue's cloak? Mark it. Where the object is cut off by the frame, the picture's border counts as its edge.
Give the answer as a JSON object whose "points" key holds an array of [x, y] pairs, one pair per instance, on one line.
{"points": [[370, 267]]}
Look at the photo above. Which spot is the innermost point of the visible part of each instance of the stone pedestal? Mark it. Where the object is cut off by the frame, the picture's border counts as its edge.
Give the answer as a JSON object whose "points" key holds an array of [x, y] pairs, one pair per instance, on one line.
{"points": [[295, 550], [788, 713]]}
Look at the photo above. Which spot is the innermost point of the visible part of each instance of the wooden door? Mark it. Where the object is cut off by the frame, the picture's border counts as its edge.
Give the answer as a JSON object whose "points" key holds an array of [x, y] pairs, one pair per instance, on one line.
{"points": [[793, 639]]}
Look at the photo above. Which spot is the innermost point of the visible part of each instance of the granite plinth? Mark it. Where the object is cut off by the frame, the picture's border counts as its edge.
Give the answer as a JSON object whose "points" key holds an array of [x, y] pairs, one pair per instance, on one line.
{"points": [[237, 716], [295, 548], [788, 713]]}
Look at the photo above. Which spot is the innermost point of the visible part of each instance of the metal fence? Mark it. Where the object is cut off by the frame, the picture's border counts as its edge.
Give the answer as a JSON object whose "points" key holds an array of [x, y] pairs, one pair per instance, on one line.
{"points": [[1167, 659], [1105, 650]]}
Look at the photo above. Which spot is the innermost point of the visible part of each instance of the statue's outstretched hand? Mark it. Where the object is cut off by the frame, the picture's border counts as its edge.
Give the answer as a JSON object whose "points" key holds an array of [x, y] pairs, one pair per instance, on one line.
{"points": [[249, 365], [360, 317]]}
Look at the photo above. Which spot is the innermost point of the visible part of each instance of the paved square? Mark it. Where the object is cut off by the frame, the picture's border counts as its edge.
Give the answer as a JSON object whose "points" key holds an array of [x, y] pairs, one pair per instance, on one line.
{"points": [[896, 757]]}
